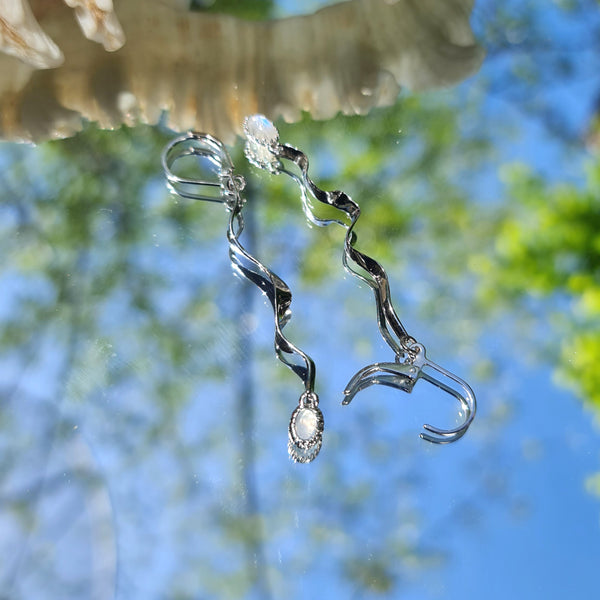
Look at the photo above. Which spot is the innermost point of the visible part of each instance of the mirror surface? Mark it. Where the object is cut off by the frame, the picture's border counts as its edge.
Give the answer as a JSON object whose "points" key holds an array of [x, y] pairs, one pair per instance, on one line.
{"points": [[143, 412]]}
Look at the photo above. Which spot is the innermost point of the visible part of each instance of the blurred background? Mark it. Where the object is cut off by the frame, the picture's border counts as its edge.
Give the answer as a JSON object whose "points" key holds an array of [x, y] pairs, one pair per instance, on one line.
{"points": [[143, 414]]}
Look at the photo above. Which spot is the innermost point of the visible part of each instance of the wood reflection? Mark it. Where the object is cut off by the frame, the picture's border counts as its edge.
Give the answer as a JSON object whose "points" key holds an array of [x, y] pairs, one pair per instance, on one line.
{"points": [[209, 70]]}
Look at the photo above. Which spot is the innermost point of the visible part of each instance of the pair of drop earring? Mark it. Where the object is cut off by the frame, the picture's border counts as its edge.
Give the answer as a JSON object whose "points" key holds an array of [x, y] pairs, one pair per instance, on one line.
{"points": [[263, 149]]}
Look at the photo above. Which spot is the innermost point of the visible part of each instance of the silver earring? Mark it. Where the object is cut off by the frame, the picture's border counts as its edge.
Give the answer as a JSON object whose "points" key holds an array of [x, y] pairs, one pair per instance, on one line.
{"points": [[306, 424], [264, 150]]}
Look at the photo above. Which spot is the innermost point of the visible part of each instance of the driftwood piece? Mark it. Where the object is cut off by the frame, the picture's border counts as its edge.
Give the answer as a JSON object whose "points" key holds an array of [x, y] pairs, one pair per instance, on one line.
{"points": [[209, 70]]}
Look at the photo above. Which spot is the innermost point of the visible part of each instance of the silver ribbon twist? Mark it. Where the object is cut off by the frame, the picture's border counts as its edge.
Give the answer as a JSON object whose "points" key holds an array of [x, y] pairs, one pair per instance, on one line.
{"points": [[306, 424], [264, 150]]}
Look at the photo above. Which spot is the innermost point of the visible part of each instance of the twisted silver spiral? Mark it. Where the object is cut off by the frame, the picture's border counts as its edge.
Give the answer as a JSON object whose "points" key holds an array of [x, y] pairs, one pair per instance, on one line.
{"points": [[264, 150], [230, 186]]}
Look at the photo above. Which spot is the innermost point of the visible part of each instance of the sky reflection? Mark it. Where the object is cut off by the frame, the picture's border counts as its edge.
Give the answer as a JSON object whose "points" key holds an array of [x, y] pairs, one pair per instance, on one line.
{"points": [[143, 421]]}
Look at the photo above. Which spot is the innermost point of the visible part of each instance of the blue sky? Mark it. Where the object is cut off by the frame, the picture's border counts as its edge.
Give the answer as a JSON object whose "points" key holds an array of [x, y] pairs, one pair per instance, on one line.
{"points": [[503, 513]]}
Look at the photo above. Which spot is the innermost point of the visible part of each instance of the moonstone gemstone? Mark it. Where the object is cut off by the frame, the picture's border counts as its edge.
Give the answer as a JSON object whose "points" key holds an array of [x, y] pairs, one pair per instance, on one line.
{"points": [[260, 155], [303, 455], [261, 130], [306, 424]]}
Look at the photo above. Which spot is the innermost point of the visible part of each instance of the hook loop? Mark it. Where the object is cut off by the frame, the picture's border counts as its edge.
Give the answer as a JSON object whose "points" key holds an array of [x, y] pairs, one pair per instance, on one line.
{"points": [[225, 188], [404, 375]]}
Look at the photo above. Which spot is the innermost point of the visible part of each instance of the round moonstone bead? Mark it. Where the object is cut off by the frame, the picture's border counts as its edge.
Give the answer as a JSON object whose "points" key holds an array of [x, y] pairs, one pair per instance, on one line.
{"points": [[306, 423], [260, 129]]}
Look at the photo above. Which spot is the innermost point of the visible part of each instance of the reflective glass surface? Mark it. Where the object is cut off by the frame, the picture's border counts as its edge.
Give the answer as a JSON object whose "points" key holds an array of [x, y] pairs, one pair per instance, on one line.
{"points": [[143, 412]]}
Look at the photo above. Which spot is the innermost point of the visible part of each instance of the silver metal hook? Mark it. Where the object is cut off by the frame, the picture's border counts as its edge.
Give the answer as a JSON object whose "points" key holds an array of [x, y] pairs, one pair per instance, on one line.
{"points": [[306, 423], [206, 146], [404, 375], [264, 149]]}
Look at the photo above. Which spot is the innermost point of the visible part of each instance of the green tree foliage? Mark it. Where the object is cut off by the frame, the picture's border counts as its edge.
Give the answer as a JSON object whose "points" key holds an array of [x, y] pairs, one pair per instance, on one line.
{"points": [[249, 9], [548, 245], [110, 272]]}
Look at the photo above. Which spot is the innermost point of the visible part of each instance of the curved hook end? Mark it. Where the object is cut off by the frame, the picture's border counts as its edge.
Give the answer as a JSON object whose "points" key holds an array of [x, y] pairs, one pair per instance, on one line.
{"points": [[403, 376], [459, 389], [442, 436], [396, 375], [204, 145]]}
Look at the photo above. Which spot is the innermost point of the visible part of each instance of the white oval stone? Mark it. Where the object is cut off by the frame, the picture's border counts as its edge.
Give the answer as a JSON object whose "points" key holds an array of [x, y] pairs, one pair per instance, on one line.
{"points": [[306, 424], [260, 155], [260, 129]]}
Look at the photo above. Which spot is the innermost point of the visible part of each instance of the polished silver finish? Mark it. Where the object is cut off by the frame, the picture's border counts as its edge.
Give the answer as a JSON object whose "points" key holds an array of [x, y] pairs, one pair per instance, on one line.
{"points": [[411, 362], [305, 438], [403, 375], [227, 189]]}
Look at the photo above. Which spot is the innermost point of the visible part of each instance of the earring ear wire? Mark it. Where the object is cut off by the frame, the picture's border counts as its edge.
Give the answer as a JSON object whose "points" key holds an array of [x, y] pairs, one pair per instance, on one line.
{"points": [[305, 432], [264, 150]]}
